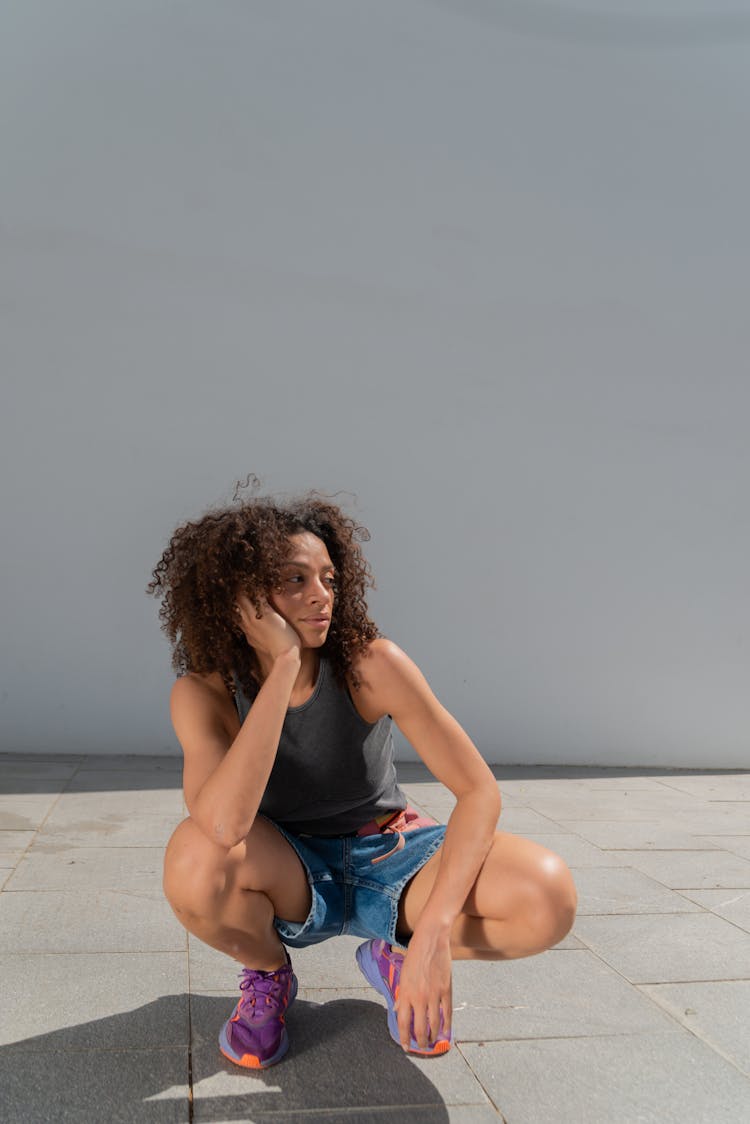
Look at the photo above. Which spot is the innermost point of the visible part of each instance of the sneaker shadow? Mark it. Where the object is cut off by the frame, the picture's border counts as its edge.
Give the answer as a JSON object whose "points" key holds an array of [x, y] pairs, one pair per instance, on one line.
{"points": [[136, 1067], [340, 1058]]}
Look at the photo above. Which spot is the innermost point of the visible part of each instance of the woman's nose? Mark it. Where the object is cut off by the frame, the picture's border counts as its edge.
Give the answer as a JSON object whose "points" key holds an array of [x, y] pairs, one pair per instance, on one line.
{"points": [[321, 592]]}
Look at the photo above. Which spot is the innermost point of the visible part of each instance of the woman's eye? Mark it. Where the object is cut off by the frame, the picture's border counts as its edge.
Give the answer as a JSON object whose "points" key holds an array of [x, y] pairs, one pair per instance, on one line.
{"points": [[295, 578]]}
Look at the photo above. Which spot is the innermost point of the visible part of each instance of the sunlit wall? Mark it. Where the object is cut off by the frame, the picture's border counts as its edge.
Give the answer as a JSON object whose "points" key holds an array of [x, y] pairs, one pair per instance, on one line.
{"points": [[482, 265]]}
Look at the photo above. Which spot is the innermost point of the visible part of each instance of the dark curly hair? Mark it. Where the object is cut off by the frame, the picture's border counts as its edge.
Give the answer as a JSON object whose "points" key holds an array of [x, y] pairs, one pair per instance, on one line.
{"points": [[241, 549]]}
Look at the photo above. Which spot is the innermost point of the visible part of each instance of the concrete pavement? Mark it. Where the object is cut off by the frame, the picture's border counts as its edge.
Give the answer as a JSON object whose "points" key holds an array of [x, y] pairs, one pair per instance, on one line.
{"points": [[110, 1012]]}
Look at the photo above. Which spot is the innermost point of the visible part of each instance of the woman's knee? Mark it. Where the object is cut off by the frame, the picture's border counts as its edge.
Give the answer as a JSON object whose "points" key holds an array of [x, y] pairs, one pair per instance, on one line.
{"points": [[195, 871], [558, 899], [529, 887]]}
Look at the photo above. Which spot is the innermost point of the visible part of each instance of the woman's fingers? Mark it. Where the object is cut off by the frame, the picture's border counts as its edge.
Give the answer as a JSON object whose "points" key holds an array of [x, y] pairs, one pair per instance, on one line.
{"points": [[424, 1023], [405, 1018], [270, 632], [433, 1018], [420, 1027]]}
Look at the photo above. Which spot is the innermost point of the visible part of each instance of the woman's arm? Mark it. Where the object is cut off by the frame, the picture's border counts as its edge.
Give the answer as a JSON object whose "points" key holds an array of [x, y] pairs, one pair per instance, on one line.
{"points": [[393, 684], [224, 779]]}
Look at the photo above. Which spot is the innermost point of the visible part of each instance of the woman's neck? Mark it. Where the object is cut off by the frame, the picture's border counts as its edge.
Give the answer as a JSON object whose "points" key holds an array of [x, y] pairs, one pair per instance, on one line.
{"points": [[306, 676]]}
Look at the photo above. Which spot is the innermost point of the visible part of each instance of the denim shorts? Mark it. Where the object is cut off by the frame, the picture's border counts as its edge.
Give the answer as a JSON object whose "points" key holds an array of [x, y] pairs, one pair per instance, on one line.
{"points": [[356, 883]]}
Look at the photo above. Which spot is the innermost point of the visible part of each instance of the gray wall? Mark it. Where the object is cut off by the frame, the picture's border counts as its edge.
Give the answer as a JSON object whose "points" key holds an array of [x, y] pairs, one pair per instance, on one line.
{"points": [[483, 264]]}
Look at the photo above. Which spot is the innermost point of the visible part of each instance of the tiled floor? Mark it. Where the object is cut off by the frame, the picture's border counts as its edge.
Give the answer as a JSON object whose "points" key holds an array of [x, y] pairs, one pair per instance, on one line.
{"points": [[109, 1013]]}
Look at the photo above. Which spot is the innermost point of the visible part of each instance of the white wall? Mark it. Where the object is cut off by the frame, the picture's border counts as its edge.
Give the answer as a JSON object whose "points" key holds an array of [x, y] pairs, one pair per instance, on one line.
{"points": [[482, 264]]}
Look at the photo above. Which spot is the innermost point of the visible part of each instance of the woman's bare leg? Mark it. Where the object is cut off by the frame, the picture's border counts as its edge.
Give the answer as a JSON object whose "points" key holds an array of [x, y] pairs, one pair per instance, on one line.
{"points": [[522, 902], [228, 899]]}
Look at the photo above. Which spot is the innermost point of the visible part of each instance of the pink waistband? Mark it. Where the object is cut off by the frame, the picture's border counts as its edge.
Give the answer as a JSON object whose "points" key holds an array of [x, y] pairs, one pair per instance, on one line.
{"points": [[396, 823]]}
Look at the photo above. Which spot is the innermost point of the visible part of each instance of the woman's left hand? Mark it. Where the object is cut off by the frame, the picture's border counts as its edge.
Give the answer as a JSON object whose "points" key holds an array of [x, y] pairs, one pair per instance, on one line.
{"points": [[424, 992]]}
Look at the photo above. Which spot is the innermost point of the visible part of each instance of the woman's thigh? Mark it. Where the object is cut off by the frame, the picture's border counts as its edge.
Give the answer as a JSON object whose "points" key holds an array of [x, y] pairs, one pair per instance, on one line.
{"points": [[264, 861], [514, 874]]}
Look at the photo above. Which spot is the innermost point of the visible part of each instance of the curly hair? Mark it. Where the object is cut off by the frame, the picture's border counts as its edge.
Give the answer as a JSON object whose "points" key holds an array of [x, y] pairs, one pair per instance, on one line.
{"points": [[242, 549]]}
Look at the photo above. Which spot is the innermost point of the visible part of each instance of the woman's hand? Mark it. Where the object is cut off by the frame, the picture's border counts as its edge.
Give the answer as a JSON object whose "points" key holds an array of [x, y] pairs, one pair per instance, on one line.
{"points": [[270, 633], [424, 993]]}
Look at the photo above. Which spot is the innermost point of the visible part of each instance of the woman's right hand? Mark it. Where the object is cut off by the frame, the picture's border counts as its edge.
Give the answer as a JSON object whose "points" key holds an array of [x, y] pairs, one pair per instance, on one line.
{"points": [[270, 633]]}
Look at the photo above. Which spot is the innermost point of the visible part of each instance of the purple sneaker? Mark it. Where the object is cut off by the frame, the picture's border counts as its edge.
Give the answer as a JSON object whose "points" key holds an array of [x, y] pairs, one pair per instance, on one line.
{"points": [[254, 1036], [380, 964]]}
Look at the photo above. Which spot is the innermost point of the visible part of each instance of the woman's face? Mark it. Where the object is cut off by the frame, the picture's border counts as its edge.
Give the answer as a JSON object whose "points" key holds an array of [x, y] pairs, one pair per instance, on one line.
{"points": [[305, 599]]}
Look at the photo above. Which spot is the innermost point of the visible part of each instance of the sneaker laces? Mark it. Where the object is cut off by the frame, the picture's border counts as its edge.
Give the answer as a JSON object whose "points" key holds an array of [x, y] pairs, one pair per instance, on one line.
{"points": [[260, 991]]}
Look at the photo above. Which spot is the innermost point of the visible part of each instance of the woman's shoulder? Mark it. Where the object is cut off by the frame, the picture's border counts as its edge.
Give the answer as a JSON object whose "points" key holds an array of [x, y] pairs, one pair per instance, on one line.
{"points": [[206, 690], [380, 656], [375, 677], [202, 681]]}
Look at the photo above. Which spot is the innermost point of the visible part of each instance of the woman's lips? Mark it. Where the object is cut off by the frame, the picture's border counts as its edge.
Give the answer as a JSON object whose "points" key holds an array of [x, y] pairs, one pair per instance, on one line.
{"points": [[317, 622]]}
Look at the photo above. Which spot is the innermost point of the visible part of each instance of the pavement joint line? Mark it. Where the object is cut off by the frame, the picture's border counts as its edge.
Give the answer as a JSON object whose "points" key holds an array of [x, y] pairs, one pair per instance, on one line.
{"points": [[153, 1049], [685, 983], [191, 1104], [357, 1110], [63, 790], [694, 1032], [564, 1037], [644, 913], [93, 952], [475, 1075]]}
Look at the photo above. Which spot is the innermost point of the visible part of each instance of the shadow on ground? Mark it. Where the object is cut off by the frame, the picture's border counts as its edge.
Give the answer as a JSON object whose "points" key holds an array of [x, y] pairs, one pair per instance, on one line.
{"points": [[55, 775], [26, 775], [340, 1059]]}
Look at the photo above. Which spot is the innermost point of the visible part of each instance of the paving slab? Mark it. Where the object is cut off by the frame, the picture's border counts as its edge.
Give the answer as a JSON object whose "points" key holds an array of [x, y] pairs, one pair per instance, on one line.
{"points": [[97, 1001], [624, 890], [640, 835], [126, 780], [579, 788], [52, 769], [33, 760], [430, 1114], [711, 819], [715, 1012], [125, 800], [134, 762], [119, 1087], [666, 1078], [557, 994], [115, 819], [9, 860], [439, 809], [737, 844], [732, 905], [314, 1076], [59, 867], [462, 1114], [528, 821], [88, 921], [20, 784], [613, 805], [668, 948], [575, 851], [19, 812], [16, 840], [694, 870], [732, 787], [421, 1114]]}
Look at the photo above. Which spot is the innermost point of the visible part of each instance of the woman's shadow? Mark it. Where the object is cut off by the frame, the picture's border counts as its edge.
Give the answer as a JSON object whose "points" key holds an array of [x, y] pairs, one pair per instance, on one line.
{"points": [[161, 1062]]}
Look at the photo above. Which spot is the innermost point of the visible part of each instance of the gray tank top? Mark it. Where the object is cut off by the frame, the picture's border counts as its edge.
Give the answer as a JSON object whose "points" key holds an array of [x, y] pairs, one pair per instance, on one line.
{"points": [[333, 771]]}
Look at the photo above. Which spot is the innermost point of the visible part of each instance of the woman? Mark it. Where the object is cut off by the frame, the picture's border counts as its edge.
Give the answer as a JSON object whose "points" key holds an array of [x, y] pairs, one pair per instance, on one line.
{"points": [[298, 830]]}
